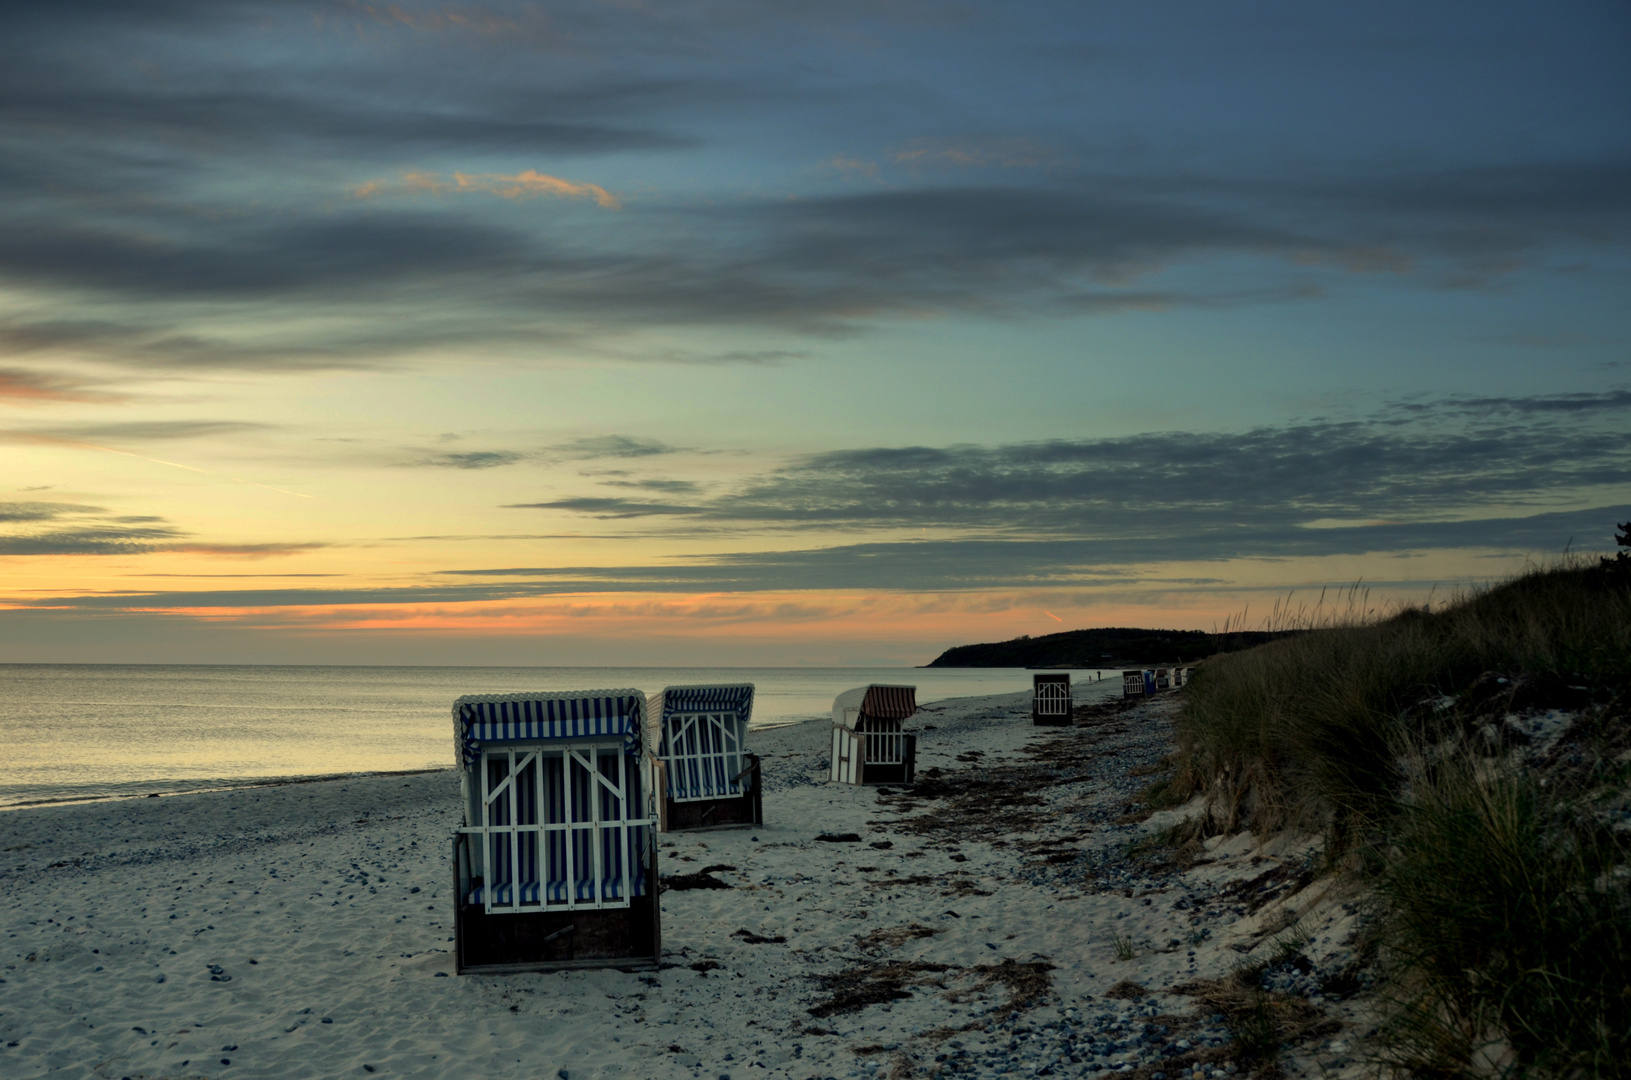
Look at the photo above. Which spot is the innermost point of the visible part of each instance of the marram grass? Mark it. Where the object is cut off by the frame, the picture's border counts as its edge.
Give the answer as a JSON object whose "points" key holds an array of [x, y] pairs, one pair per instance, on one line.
{"points": [[1502, 910]]}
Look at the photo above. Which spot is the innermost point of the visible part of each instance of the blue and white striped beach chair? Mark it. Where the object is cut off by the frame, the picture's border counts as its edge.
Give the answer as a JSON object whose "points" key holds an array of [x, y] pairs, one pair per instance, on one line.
{"points": [[556, 862], [706, 777]]}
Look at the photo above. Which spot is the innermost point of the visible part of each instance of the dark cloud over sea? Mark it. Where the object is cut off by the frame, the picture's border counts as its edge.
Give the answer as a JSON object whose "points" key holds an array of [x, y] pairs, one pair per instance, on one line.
{"points": [[156, 156], [1416, 460]]}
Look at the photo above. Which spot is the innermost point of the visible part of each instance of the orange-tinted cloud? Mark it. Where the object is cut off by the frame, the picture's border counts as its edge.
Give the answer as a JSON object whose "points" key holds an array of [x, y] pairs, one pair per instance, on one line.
{"points": [[21, 386], [526, 184], [531, 182]]}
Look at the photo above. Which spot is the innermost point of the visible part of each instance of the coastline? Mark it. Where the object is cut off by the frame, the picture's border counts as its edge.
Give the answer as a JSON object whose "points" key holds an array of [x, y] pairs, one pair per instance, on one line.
{"points": [[303, 929], [122, 731], [211, 787]]}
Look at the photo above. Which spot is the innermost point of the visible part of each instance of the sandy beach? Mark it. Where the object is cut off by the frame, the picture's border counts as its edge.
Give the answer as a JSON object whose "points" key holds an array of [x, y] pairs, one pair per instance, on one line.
{"points": [[986, 923]]}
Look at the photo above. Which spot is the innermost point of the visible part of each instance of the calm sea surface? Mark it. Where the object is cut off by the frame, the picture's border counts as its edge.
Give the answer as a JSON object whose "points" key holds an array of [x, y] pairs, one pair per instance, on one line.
{"points": [[81, 731]]}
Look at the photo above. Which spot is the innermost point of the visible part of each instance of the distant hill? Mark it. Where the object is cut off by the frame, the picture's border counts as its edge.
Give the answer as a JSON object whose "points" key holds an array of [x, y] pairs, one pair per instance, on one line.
{"points": [[1107, 647]]}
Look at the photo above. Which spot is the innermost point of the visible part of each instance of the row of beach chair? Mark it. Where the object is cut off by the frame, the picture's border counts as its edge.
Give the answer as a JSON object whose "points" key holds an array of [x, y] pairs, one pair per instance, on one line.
{"points": [[563, 792], [1153, 680]]}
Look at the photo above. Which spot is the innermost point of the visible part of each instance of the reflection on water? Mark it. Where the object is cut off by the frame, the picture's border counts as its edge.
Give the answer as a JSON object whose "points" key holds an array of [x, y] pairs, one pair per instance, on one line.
{"points": [[92, 730]]}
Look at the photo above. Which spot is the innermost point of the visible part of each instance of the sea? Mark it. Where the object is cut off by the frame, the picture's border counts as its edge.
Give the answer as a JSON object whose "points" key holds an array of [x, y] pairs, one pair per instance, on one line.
{"points": [[77, 732]]}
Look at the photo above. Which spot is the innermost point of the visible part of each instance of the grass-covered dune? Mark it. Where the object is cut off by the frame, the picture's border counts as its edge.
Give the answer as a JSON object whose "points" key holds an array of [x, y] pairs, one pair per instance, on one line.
{"points": [[1425, 746]]}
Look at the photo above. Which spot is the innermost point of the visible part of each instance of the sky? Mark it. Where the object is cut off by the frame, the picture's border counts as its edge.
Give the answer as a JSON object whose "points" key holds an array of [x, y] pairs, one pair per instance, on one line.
{"points": [[735, 333]]}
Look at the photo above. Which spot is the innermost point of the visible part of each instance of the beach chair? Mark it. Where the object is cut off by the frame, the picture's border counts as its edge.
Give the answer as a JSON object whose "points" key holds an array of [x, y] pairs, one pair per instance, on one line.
{"points": [[869, 742], [556, 864], [705, 777], [1050, 698], [1132, 684], [1149, 680], [1163, 679]]}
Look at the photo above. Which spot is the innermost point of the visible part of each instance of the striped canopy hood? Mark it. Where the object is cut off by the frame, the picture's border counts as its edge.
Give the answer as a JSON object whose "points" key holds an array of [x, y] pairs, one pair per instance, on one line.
{"points": [[543, 715], [877, 702], [724, 697]]}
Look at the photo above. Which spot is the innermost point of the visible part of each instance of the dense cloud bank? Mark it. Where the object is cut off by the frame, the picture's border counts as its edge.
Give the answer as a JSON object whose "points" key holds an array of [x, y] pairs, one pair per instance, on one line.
{"points": [[417, 175], [465, 202], [1415, 461]]}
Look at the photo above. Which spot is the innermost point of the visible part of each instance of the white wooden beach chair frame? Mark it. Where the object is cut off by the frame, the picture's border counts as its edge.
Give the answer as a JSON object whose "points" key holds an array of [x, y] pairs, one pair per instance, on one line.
{"points": [[864, 741], [703, 755], [508, 844], [848, 754], [885, 740], [1052, 699]]}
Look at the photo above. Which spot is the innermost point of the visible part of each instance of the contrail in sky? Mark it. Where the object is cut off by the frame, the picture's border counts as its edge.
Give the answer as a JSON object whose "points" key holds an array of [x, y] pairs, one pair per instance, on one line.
{"points": [[172, 464]]}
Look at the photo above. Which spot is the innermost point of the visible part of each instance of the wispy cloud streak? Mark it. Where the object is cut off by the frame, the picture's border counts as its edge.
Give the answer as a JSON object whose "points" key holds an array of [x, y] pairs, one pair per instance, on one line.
{"points": [[522, 185]]}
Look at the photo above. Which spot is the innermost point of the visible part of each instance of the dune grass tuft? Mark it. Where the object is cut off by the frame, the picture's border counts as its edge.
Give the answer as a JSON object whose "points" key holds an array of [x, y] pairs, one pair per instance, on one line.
{"points": [[1505, 913]]}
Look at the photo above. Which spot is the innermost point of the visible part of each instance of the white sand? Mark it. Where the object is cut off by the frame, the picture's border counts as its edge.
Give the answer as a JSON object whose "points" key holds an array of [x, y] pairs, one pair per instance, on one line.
{"points": [[304, 931]]}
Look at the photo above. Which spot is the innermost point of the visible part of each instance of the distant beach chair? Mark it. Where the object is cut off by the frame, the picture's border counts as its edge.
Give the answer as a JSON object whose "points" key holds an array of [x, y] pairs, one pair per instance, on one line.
{"points": [[706, 778], [1132, 684], [1163, 679], [1050, 698], [869, 742], [1149, 680], [556, 865]]}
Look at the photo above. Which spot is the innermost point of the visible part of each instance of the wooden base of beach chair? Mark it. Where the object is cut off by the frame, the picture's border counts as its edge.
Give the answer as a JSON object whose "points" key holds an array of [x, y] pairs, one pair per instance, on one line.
{"points": [[744, 811], [628, 938]]}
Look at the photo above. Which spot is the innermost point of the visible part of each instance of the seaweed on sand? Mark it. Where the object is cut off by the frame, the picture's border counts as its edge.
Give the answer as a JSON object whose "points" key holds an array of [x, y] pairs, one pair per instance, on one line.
{"points": [[854, 988], [893, 937], [1026, 984], [702, 879], [995, 797]]}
